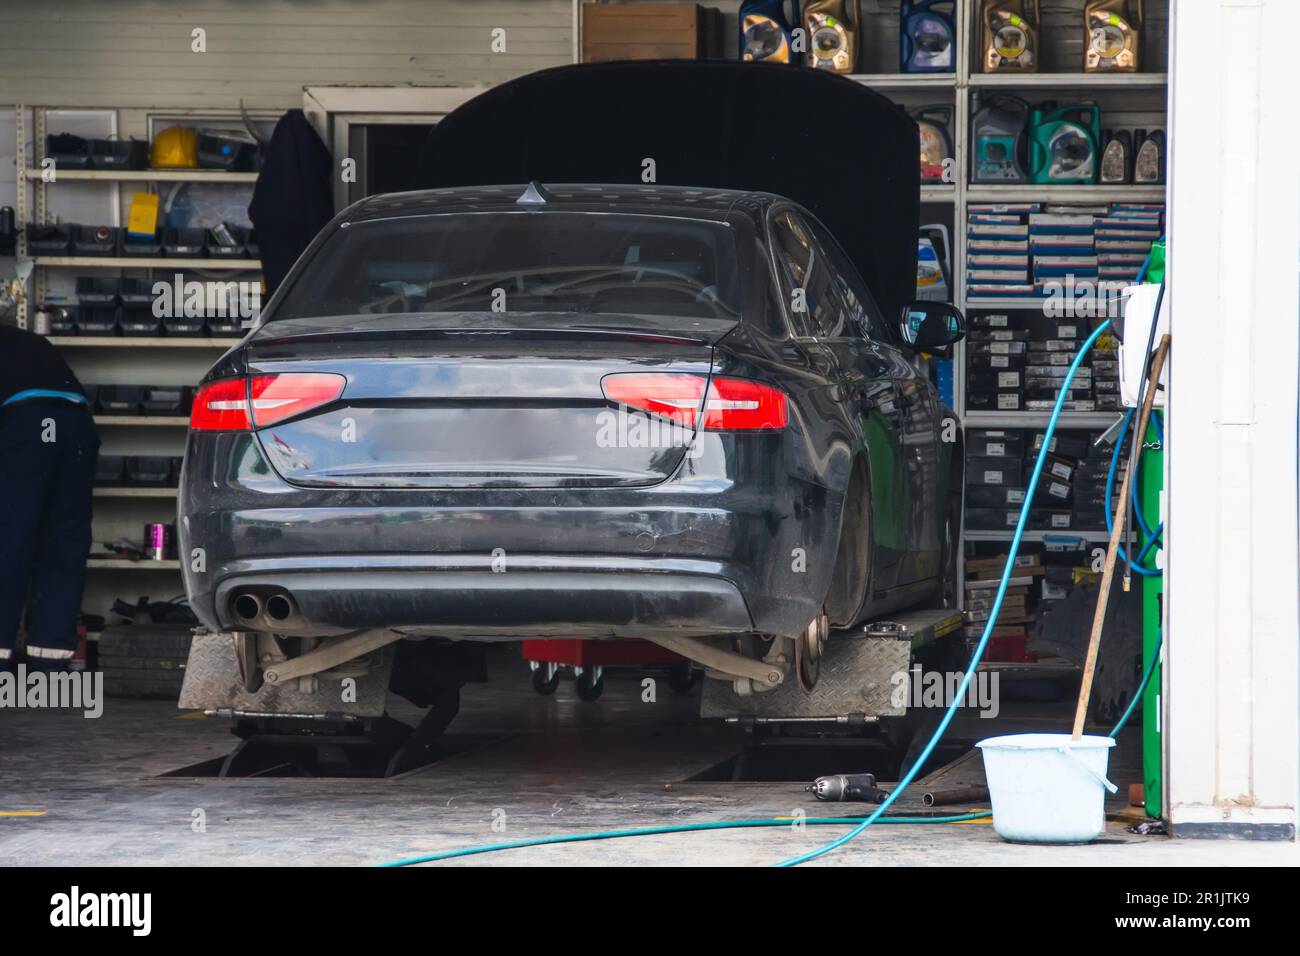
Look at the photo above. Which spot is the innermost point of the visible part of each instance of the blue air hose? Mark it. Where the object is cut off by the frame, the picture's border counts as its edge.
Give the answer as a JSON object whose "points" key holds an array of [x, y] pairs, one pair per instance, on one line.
{"points": [[1152, 536], [676, 828]]}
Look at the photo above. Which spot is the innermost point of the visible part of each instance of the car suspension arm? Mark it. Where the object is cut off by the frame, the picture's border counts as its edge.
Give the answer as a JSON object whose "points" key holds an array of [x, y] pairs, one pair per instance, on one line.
{"points": [[332, 653], [764, 674]]}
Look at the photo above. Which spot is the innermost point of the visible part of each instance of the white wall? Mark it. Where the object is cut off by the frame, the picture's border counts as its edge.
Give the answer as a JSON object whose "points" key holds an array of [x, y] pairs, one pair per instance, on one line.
{"points": [[137, 53], [1232, 676]]}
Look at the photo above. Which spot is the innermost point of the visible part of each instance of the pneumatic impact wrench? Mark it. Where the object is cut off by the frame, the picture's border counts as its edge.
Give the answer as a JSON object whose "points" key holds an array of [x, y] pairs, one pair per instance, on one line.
{"points": [[860, 787]]}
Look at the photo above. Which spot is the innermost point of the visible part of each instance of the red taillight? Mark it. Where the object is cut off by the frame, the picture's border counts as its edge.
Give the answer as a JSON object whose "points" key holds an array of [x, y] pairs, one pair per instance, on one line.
{"points": [[240, 404], [277, 397], [668, 395], [735, 404], [221, 406], [732, 404]]}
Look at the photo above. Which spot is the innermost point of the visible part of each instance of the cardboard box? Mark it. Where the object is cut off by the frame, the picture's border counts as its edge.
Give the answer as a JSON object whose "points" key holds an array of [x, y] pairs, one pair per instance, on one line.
{"points": [[650, 31]]}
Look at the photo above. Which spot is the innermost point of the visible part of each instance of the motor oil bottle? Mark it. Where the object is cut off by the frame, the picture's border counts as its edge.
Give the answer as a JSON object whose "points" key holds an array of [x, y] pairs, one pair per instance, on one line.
{"points": [[1112, 37], [926, 36], [832, 28], [997, 130], [1116, 156], [1149, 157], [765, 30], [1010, 36], [935, 125], [1063, 144]]}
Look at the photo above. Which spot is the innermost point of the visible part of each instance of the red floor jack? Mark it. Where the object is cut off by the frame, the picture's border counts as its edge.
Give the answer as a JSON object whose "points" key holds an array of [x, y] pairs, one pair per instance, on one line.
{"points": [[590, 658]]}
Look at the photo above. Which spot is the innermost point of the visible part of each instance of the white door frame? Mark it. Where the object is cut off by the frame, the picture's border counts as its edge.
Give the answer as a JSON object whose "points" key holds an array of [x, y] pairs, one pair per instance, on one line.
{"points": [[332, 110], [1232, 612]]}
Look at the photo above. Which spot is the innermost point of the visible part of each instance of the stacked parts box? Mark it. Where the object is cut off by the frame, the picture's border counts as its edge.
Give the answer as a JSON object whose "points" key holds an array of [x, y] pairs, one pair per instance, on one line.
{"points": [[1042, 250], [650, 31], [1009, 632], [1069, 494]]}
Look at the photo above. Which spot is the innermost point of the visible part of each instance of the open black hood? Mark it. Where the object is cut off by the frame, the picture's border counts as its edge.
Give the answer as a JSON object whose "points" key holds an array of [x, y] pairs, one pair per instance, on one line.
{"points": [[846, 153]]}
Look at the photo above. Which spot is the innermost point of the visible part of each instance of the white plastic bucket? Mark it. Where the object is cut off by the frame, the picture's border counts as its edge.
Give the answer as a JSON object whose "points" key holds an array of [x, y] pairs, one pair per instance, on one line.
{"points": [[1048, 788]]}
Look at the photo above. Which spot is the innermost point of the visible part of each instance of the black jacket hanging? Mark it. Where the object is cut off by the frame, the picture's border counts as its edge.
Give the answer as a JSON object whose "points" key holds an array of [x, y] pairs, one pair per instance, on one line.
{"points": [[293, 197]]}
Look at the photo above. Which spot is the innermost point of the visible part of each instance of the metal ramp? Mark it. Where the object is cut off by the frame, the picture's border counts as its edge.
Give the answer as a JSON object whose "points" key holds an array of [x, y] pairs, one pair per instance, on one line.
{"points": [[856, 683]]}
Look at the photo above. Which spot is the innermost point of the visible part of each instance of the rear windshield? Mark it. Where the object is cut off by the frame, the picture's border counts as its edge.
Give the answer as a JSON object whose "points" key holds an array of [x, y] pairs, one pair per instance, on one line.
{"points": [[524, 261]]}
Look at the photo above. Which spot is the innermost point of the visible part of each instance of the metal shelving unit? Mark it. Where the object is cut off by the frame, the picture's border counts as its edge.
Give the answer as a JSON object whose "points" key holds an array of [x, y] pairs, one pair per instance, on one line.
{"points": [[142, 342], [121, 511], [963, 85], [1090, 536], [145, 176], [142, 421], [148, 262]]}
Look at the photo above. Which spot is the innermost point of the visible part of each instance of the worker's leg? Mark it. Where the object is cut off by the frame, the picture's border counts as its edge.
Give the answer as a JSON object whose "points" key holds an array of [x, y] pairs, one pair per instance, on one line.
{"points": [[64, 541], [25, 464]]}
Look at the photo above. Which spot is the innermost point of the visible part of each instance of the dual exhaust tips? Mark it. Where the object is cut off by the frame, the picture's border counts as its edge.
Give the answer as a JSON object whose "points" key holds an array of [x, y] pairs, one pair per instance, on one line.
{"points": [[256, 611]]}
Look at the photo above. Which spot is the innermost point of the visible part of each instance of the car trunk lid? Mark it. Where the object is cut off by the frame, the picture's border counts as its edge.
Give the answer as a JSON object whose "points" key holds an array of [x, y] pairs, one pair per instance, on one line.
{"points": [[479, 400]]}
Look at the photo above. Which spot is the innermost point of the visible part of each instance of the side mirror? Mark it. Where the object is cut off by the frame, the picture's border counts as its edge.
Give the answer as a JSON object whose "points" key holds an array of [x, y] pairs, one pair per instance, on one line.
{"points": [[932, 327]]}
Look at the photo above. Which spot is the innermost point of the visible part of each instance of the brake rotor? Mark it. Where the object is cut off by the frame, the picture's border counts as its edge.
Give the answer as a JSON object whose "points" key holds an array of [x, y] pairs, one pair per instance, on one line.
{"points": [[809, 649], [250, 671], [815, 634], [806, 667]]}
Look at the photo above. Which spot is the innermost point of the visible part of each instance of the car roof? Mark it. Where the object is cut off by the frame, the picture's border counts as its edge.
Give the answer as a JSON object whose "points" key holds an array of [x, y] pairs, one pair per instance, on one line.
{"points": [[683, 201]]}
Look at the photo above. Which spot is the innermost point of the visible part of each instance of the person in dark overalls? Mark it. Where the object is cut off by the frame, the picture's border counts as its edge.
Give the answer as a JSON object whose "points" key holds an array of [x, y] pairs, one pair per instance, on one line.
{"points": [[48, 448]]}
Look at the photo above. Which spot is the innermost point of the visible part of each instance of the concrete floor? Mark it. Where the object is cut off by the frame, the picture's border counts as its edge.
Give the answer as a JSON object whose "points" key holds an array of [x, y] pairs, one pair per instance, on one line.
{"points": [[88, 792]]}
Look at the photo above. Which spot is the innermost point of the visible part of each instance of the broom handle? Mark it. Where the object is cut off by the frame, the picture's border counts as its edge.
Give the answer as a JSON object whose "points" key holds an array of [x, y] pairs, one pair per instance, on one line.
{"points": [[1112, 550]]}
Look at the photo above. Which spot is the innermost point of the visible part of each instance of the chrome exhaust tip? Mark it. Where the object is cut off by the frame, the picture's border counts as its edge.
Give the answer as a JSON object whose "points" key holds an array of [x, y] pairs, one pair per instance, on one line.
{"points": [[247, 607], [280, 607]]}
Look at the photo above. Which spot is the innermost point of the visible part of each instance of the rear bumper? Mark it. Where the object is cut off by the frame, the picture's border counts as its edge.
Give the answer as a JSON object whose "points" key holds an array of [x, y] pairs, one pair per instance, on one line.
{"points": [[451, 599], [700, 554]]}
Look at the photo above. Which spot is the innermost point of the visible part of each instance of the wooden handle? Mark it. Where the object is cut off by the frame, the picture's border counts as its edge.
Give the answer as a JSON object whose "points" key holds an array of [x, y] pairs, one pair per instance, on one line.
{"points": [[1112, 550]]}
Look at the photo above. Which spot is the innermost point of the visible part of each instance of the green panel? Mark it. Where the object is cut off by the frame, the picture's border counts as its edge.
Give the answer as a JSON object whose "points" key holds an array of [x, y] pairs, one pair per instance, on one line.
{"points": [[890, 501], [1149, 490]]}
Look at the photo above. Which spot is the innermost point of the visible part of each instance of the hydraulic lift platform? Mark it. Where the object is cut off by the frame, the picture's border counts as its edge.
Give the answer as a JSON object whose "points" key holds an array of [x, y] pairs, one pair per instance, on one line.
{"points": [[862, 675]]}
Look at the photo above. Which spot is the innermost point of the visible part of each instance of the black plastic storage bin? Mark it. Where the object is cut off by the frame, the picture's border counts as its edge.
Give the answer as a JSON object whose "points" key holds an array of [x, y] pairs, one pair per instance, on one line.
{"points": [[140, 322], [139, 246], [187, 243], [110, 470], [167, 400], [97, 290], [97, 321], [48, 240], [176, 463], [119, 153], [228, 151], [185, 326], [233, 251], [148, 471], [119, 399], [95, 240], [136, 292], [67, 151], [63, 319], [226, 325]]}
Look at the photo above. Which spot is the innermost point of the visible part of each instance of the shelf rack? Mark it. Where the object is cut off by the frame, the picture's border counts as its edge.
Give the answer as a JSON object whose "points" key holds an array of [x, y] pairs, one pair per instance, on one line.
{"points": [[121, 510], [962, 85], [144, 176]]}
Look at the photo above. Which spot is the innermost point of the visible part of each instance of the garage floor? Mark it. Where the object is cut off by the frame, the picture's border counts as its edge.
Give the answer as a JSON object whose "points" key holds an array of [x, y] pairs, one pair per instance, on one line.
{"points": [[89, 792]]}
